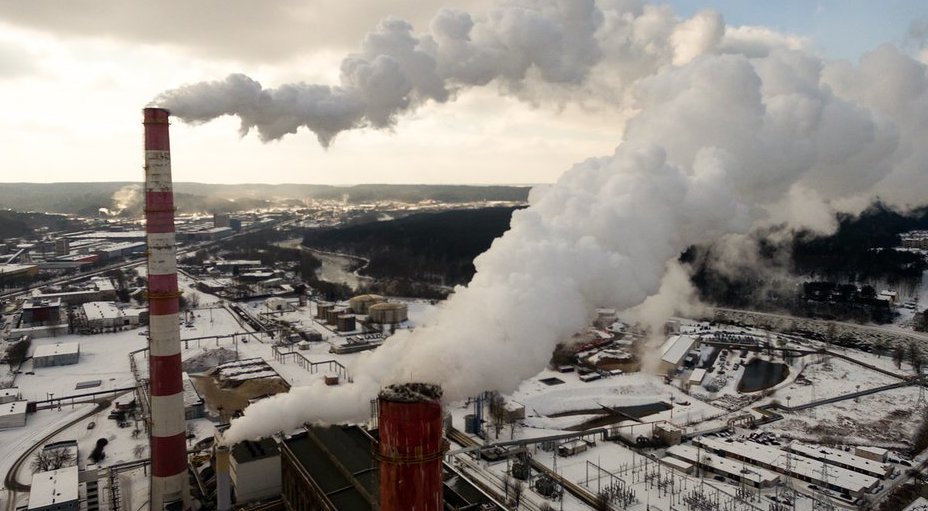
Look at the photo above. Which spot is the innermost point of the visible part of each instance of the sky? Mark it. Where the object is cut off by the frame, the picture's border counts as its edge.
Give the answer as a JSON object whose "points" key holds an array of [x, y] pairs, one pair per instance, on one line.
{"points": [[75, 79]]}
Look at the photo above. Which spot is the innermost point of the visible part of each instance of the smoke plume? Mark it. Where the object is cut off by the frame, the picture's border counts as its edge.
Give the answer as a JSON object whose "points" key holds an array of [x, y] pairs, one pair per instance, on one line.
{"points": [[734, 128]]}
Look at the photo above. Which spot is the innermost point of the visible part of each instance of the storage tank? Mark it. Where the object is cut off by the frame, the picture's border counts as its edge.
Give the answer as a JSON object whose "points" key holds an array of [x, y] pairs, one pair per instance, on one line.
{"points": [[322, 308], [388, 313], [331, 315], [345, 323], [360, 304], [411, 447]]}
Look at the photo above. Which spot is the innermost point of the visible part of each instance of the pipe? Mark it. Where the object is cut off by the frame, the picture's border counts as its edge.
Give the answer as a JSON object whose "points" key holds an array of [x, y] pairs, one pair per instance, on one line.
{"points": [[223, 479], [169, 485]]}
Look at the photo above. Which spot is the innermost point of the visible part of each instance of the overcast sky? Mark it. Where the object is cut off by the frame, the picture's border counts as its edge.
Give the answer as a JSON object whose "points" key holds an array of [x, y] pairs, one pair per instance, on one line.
{"points": [[76, 75]]}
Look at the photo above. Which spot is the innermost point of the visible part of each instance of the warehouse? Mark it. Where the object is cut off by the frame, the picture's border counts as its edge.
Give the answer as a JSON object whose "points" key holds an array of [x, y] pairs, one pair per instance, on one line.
{"points": [[60, 354], [106, 315], [674, 350], [799, 467], [842, 459], [737, 471]]}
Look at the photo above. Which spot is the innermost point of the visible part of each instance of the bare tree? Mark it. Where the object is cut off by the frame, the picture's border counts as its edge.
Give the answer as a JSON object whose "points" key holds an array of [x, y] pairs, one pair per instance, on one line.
{"points": [[517, 489], [898, 356], [51, 459], [915, 358], [497, 411]]}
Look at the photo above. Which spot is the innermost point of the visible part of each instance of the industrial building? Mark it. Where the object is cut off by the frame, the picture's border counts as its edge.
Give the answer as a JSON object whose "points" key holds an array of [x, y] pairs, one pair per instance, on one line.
{"points": [[737, 471], [194, 406], [13, 414], [846, 460], [8, 395], [56, 490], [820, 473], [255, 470], [107, 316], [674, 350], [336, 468], [41, 312], [59, 354], [97, 289]]}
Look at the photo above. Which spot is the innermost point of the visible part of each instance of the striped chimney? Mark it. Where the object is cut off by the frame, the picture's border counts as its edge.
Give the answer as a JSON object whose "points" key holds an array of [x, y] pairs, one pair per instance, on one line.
{"points": [[169, 489]]}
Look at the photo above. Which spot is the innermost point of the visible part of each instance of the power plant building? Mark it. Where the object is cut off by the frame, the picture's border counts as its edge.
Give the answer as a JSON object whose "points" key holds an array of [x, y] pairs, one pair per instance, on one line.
{"points": [[255, 470]]}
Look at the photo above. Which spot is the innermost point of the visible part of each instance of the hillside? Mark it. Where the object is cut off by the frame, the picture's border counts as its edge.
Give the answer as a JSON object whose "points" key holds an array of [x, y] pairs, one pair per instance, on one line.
{"points": [[430, 247]]}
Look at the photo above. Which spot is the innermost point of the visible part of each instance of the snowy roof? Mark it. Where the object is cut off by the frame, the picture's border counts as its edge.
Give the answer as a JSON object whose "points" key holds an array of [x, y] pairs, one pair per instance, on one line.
{"points": [[191, 396], [697, 376], [53, 487], [844, 458], [734, 468], [920, 504], [676, 348], [50, 350], [13, 408], [11, 391], [800, 465], [677, 463], [101, 310]]}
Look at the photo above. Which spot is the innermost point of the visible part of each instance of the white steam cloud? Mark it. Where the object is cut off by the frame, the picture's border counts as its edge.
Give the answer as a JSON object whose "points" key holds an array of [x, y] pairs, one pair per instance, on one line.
{"points": [[734, 128]]}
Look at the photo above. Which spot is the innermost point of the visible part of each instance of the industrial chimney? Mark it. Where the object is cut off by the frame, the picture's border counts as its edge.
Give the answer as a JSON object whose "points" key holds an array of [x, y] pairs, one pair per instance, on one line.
{"points": [[411, 448], [168, 427]]}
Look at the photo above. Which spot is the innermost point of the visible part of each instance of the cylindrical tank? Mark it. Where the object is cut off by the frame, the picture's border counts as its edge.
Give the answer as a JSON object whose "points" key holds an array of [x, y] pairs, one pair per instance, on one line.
{"points": [[331, 315], [223, 479], [388, 313], [169, 486], [359, 304], [411, 448], [322, 308], [345, 323]]}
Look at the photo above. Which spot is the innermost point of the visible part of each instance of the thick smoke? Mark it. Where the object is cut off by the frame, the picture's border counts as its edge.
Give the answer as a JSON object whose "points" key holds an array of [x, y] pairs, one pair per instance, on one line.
{"points": [[734, 129]]}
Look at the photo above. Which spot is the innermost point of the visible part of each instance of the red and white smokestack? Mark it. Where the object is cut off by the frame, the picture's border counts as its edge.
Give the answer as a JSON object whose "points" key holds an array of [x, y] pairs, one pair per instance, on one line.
{"points": [[169, 486], [411, 448]]}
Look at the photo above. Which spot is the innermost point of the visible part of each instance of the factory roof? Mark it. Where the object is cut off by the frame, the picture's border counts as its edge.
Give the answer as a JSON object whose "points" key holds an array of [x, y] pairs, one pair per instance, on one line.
{"points": [[677, 463], [50, 350], [799, 465], [191, 396], [13, 408], [246, 451], [109, 235], [328, 454], [697, 376], [676, 347], [847, 459], [41, 303], [733, 468], [101, 310], [16, 268], [53, 487]]}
